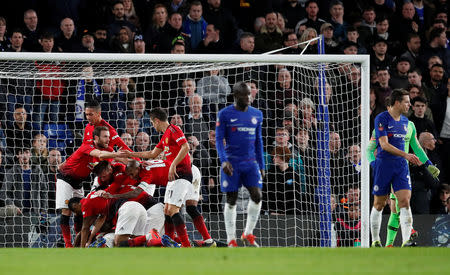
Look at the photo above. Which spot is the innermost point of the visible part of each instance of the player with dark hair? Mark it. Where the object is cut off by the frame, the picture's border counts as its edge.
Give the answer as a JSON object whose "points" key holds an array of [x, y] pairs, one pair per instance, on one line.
{"points": [[128, 217], [175, 147], [410, 140], [116, 183], [75, 170], [242, 160], [93, 112], [391, 166]]}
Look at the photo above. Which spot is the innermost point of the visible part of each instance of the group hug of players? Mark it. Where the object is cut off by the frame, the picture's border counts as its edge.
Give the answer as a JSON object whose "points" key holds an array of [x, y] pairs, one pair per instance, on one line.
{"points": [[120, 206]]}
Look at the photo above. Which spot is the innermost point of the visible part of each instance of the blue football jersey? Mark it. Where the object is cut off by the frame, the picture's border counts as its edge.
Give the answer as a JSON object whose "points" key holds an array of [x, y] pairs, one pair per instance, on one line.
{"points": [[385, 125], [242, 134]]}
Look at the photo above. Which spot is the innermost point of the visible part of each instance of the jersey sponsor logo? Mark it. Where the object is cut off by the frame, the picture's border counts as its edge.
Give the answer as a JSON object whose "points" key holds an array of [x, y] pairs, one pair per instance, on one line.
{"points": [[251, 131], [254, 120], [233, 119]]}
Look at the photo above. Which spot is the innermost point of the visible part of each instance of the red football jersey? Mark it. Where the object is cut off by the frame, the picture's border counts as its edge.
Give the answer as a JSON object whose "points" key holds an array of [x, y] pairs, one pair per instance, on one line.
{"points": [[171, 143], [94, 205], [118, 170], [80, 164], [156, 173], [124, 184], [114, 139]]}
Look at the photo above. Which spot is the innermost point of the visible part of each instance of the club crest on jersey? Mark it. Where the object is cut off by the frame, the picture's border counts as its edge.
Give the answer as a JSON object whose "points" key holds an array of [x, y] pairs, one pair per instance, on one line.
{"points": [[254, 120], [167, 140]]}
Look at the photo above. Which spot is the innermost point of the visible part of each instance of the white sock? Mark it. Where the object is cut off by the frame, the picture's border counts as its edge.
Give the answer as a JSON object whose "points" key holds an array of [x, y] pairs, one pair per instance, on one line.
{"points": [[375, 224], [406, 221], [229, 214], [253, 210]]}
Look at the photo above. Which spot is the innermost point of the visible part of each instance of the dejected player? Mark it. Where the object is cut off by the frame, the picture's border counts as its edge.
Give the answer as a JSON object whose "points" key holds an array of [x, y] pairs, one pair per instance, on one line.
{"points": [[74, 171], [410, 139], [242, 160], [391, 166]]}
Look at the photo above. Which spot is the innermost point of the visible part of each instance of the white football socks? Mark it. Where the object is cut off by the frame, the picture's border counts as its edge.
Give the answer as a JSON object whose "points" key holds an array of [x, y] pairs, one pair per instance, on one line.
{"points": [[229, 214], [406, 221], [375, 224], [253, 210]]}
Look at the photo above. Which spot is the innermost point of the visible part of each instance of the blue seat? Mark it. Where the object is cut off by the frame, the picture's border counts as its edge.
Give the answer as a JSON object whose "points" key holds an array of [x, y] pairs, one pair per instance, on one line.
{"points": [[58, 136]]}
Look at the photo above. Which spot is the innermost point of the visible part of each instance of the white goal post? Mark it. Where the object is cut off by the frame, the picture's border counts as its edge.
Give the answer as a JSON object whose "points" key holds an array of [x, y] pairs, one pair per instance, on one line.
{"points": [[150, 73]]}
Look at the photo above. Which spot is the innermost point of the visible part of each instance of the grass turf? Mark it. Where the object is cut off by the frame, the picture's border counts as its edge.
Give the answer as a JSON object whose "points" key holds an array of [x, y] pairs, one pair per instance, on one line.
{"points": [[225, 261]]}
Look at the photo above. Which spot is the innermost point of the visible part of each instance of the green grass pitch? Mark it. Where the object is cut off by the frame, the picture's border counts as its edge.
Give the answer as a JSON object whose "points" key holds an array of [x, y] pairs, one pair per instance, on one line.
{"points": [[225, 261]]}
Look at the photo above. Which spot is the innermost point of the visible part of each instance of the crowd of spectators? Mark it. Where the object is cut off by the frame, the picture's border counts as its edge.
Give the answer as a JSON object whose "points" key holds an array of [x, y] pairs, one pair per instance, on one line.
{"points": [[407, 42]]}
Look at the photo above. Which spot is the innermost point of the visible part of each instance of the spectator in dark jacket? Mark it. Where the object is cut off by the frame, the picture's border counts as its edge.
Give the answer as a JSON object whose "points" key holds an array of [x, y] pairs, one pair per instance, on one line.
{"points": [[25, 187], [270, 37]]}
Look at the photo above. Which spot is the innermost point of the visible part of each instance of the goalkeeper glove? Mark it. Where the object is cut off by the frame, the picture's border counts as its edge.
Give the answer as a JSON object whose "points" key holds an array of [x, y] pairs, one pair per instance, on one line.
{"points": [[434, 171]]}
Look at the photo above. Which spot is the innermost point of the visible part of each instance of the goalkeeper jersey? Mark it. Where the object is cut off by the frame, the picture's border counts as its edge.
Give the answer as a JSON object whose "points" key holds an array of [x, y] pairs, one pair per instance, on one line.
{"points": [[410, 139]]}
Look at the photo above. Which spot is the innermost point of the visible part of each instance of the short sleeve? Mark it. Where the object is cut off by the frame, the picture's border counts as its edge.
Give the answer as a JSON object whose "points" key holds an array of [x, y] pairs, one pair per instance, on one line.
{"points": [[381, 125], [86, 148], [179, 137]]}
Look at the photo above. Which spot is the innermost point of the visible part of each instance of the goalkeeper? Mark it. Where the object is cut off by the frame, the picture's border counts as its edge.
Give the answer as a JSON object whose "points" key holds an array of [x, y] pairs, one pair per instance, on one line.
{"points": [[410, 139]]}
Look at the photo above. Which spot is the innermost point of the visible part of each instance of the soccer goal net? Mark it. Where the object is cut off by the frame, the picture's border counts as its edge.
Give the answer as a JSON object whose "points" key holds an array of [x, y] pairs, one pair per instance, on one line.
{"points": [[316, 125]]}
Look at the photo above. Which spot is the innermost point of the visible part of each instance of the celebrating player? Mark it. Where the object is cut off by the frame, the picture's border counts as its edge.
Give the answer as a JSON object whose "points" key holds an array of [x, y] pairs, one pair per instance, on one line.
{"points": [[391, 166], [128, 217], [242, 160], [93, 114], [74, 171], [175, 147]]}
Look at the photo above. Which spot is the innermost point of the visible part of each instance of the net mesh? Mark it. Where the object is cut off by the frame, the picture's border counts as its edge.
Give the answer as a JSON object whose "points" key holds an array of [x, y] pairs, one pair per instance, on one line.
{"points": [[307, 145]]}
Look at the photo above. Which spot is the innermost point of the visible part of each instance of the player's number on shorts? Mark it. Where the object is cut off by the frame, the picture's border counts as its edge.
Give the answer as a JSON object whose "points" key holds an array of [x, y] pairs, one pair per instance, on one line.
{"points": [[170, 193]]}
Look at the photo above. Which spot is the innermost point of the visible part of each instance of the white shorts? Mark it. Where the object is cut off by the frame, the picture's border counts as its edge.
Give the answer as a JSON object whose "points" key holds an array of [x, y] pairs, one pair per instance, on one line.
{"points": [[194, 188], [155, 218], [64, 192], [193, 193], [176, 192], [131, 219]]}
